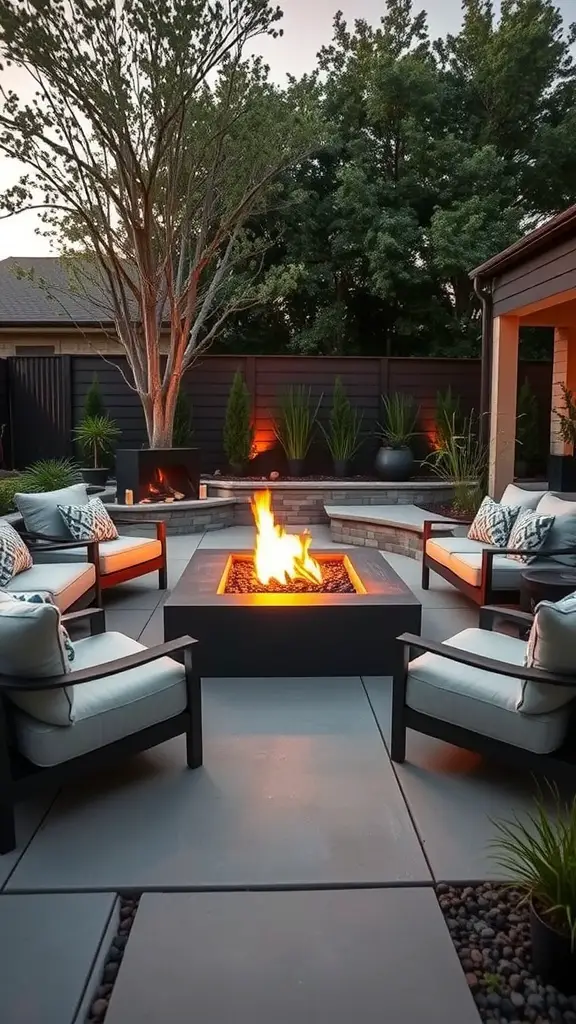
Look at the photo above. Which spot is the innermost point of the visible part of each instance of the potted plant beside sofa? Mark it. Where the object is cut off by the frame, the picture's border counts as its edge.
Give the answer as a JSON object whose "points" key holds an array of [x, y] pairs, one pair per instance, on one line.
{"points": [[96, 436], [394, 459]]}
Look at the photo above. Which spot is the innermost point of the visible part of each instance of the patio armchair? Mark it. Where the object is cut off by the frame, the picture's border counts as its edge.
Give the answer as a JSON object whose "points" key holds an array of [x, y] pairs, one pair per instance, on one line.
{"points": [[466, 691], [121, 698]]}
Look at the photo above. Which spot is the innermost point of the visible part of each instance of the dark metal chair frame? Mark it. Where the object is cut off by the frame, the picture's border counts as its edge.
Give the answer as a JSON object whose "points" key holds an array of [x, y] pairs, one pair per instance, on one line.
{"points": [[560, 765], [20, 779]]}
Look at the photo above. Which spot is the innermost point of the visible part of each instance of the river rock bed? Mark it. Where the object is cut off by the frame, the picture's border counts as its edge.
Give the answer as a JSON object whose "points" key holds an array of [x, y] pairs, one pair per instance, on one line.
{"points": [[490, 930], [103, 993]]}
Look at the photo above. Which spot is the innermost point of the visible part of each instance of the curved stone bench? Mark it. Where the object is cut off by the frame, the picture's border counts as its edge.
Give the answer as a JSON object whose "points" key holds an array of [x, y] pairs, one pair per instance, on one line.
{"points": [[396, 528]]}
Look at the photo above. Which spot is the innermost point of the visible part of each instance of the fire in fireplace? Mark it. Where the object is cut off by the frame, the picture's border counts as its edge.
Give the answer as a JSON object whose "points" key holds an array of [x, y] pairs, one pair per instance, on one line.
{"points": [[155, 475], [282, 563]]}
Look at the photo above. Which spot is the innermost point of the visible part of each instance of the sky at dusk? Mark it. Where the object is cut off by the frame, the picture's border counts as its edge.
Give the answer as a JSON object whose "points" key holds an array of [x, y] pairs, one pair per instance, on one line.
{"points": [[307, 26]]}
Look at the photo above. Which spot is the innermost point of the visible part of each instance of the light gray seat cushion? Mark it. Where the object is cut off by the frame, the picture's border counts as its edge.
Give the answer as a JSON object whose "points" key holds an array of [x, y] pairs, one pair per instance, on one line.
{"points": [[114, 554], [66, 583], [563, 532], [441, 548], [484, 702], [521, 497], [506, 572], [40, 511], [109, 708]]}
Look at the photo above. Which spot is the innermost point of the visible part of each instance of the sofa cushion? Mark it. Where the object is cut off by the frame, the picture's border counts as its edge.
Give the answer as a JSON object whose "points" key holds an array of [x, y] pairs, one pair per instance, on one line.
{"points": [[563, 532], [521, 497], [484, 702], [31, 647], [114, 554], [441, 548], [40, 511], [109, 708], [14, 555], [48, 599], [493, 523], [506, 572], [89, 521], [552, 647], [529, 533], [67, 583]]}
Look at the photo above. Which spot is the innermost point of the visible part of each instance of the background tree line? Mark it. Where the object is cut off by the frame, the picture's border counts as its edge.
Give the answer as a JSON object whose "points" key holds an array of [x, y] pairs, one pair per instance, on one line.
{"points": [[442, 152]]}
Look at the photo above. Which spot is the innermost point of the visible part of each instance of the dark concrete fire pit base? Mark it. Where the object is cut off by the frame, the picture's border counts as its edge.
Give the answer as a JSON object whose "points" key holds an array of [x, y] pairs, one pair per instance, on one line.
{"points": [[249, 635]]}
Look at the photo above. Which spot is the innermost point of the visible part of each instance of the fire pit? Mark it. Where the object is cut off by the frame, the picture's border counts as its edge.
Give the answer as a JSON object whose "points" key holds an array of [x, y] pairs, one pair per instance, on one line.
{"points": [[321, 613]]}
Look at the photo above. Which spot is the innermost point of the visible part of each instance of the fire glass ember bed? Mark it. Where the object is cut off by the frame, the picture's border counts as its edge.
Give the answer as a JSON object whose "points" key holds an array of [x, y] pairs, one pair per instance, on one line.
{"points": [[285, 610]]}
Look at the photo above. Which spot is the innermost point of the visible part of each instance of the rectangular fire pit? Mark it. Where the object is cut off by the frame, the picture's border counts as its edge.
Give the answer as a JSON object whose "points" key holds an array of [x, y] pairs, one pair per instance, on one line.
{"points": [[305, 633]]}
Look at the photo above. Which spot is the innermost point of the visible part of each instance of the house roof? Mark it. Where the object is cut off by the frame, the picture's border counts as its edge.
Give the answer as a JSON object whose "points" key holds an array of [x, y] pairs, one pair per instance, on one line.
{"points": [[26, 303], [542, 238]]}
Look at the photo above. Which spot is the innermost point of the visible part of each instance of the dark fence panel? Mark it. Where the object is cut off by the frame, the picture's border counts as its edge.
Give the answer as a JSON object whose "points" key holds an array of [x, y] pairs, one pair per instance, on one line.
{"points": [[40, 404], [5, 446]]}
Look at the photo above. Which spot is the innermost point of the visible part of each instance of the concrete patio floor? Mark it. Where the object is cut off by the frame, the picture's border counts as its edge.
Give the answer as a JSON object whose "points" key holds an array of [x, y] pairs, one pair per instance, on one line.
{"points": [[297, 792]]}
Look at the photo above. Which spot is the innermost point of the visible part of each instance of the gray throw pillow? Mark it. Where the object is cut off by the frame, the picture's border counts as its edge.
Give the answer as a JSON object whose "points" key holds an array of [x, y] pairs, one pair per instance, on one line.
{"points": [[551, 647], [521, 497], [40, 511], [563, 532], [32, 647], [89, 522]]}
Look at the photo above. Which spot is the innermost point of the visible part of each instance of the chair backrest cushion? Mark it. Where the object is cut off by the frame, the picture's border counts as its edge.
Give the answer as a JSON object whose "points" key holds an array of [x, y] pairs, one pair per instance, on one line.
{"points": [[563, 532], [89, 522], [529, 533], [14, 555], [552, 647], [40, 511], [521, 497], [493, 523], [32, 647]]}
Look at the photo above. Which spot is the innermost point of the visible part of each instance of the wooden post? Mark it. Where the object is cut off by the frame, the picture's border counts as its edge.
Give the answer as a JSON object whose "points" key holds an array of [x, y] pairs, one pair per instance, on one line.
{"points": [[503, 404], [563, 373]]}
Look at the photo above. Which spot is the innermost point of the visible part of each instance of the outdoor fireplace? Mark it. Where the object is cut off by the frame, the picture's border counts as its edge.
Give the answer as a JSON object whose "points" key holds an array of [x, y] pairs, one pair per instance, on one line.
{"points": [[285, 610], [155, 475]]}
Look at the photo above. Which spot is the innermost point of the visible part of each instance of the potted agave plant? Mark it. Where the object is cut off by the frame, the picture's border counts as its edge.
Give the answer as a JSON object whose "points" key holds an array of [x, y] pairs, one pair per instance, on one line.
{"points": [[96, 436], [394, 459], [539, 857]]}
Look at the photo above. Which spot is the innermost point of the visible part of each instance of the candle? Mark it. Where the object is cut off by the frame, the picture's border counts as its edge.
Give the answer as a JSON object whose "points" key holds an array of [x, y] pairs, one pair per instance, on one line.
{"points": [[203, 491], [128, 497]]}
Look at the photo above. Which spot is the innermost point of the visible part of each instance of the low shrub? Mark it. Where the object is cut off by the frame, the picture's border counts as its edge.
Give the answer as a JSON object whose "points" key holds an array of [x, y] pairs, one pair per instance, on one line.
{"points": [[50, 475], [9, 486]]}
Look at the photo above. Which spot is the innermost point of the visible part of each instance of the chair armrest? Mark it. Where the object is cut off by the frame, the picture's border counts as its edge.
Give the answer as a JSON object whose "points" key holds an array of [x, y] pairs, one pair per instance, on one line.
{"points": [[160, 525], [96, 615], [503, 668], [521, 551], [107, 668], [41, 543], [489, 613], [429, 524]]}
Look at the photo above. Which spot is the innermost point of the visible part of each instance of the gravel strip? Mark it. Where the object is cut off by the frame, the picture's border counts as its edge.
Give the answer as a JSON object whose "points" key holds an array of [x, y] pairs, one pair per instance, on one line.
{"points": [[102, 996], [491, 933]]}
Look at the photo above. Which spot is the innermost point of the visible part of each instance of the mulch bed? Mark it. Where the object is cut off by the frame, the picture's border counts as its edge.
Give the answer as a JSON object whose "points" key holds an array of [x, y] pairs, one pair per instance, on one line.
{"points": [[491, 933], [100, 1003], [445, 509]]}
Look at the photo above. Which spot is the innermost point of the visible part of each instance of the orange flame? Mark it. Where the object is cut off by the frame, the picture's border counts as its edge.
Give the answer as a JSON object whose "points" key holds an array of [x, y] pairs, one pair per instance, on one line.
{"points": [[279, 555]]}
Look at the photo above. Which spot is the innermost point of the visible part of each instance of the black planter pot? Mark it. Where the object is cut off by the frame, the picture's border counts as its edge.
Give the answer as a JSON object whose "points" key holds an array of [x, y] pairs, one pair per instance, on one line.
{"points": [[238, 468], [395, 464], [96, 477], [340, 467], [552, 955], [295, 467]]}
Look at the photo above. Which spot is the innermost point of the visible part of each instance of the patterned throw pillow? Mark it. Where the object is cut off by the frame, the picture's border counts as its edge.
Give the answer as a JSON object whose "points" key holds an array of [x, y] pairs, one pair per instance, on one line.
{"points": [[89, 522], [14, 555], [529, 534], [493, 523], [46, 599]]}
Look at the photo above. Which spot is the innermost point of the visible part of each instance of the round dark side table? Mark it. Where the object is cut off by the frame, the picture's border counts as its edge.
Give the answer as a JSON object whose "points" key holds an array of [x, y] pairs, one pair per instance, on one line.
{"points": [[545, 585]]}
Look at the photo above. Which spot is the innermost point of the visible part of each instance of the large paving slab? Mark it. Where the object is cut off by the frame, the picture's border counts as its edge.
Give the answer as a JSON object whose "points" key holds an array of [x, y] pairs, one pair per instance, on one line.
{"points": [[48, 945], [454, 796], [28, 818], [297, 789], [365, 955]]}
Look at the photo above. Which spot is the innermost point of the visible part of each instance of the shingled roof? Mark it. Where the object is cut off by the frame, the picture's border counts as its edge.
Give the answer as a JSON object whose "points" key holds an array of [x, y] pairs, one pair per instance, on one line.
{"points": [[24, 303]]}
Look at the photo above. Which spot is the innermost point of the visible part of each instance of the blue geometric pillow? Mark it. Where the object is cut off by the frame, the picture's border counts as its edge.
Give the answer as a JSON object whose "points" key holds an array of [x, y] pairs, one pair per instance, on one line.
{"points": [[14, 555], [529, 534], [46, 599], [493, 523], [89, 522]]}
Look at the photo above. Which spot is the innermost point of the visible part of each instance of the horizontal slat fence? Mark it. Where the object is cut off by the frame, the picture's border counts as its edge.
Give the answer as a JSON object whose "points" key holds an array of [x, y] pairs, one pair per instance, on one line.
{"points": [[208, 385]]}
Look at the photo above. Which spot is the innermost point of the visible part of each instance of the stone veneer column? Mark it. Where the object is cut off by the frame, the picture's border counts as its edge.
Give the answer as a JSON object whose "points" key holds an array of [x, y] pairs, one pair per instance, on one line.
{"points": [[503, 404]]}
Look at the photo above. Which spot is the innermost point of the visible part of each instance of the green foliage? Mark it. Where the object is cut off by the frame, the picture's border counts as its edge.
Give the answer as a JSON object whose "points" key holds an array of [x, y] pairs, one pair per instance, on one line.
{"points": [[94, 403], [238, 429], [492, 981], [344, 425], [528, 437], [462, 461], [50, 475], [183, 431], [294, 425], [538, 854], [448, 417], [97, 436], [567, 416], [400, 420], [9, 486]]}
